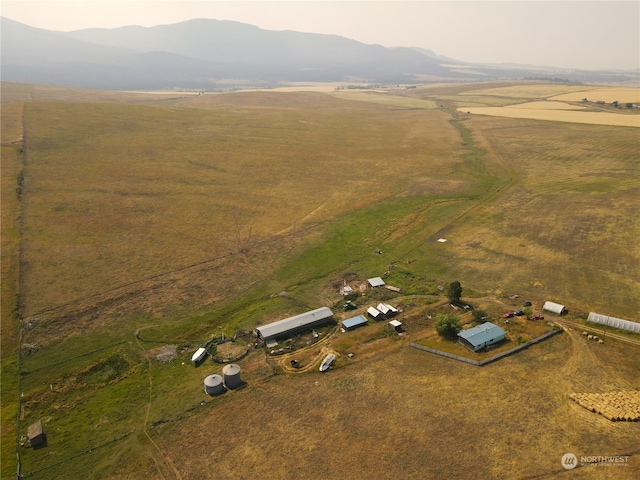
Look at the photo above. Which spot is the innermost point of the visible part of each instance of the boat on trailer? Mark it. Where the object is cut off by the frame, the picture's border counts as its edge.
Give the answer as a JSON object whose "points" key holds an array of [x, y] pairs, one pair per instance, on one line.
{"points": [[327, 362]]}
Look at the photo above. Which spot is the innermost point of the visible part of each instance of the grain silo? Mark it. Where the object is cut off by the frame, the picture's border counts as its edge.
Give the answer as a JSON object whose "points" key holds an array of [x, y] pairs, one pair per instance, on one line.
{"points": [[213, 385], [231, 375]]}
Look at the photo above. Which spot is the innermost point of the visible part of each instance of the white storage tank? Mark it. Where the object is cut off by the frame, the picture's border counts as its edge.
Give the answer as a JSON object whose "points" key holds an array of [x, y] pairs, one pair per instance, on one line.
{"points": [[213, 385], [231, 375]]}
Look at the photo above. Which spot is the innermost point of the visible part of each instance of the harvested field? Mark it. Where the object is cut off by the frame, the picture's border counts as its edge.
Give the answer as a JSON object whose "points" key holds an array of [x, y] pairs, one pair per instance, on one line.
{"points": [[616, 406], [561, 115], [605, 94]]}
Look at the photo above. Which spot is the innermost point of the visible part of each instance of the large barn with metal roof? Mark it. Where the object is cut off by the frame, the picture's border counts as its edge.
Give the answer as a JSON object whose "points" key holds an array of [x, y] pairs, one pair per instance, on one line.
{"points": [[295, 324]]}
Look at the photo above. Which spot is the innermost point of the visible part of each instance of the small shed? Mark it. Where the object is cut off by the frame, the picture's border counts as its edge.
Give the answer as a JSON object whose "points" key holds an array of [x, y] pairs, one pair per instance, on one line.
{"points": [[37, 436], [354, 322], [376, 282], [396, 325], [390, 310], [554, 308], [374, 313], [482, 336]]}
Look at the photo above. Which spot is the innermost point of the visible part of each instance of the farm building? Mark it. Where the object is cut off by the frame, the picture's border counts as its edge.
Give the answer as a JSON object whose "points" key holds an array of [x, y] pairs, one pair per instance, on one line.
{"points": [[395, 325], [614, 322], [37, 436], [295, 324], [374, 313], [376, 282], [387, 309], [554, 308], [353, 323], [484, 335]]}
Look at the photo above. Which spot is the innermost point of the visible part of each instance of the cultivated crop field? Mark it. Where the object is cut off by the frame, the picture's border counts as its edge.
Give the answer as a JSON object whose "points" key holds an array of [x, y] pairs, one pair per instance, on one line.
{"points": [[139, 224]]}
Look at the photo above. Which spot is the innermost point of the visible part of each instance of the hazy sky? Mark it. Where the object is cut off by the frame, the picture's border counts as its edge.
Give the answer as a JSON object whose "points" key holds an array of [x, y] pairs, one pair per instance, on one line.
{"points": [[572, 34]]}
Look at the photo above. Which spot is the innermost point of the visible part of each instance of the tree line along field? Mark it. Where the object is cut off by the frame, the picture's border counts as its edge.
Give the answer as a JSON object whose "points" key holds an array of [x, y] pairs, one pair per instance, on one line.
{"points": [[147, 220]]}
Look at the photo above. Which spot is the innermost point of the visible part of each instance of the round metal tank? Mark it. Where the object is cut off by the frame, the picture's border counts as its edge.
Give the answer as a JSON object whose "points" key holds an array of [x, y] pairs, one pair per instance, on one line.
{"points": [[213, 385], [231, 375]]}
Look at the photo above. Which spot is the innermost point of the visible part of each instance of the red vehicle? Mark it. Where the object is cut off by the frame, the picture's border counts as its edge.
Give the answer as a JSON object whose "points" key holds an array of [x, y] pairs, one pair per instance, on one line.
{"points": [[508, 315], [537, 316]]}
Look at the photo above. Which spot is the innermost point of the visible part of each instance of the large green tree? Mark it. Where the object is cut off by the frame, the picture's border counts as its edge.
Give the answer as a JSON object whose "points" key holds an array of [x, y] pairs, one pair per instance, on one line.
{"points": [[454, 291], [448, 325]]}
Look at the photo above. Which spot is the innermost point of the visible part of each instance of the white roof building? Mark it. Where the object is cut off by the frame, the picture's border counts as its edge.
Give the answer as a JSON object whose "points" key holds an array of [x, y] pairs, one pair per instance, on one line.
{"points": [[376, 282], [296, 323], [554, 308]]}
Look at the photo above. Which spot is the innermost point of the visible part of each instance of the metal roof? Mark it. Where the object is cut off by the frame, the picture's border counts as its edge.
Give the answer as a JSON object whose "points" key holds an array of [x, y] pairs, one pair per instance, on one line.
{"points": [[553, 307], [482, 333], [373, 311], [354, 322], [376, 282], [283, 326], [614, 322], [383, 308]]}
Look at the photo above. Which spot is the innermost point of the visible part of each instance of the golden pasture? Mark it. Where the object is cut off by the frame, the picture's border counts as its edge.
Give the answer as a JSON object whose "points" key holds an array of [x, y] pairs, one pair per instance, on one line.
{"points": [[153, 220]]}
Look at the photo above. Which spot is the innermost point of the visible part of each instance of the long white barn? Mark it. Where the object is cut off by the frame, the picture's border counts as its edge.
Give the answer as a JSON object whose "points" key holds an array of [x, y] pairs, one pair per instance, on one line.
{"points": [[291, 325]]}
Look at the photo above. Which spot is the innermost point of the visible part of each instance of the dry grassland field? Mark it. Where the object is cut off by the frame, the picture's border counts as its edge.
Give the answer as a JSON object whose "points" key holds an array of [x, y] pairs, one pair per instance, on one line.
{"points": [[138, 227]]}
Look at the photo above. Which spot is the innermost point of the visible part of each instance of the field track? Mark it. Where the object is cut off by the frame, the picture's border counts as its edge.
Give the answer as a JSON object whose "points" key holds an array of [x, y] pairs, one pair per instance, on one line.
{"points": [[605, 334]]}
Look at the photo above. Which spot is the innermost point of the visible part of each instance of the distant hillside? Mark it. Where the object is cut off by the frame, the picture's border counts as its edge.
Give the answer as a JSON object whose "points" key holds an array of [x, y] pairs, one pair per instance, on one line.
{"points": [[213, 54]]}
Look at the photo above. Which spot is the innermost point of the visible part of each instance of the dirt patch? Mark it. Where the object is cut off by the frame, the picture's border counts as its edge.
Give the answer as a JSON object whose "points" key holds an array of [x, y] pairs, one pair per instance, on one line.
{"points": [[164, 354]]}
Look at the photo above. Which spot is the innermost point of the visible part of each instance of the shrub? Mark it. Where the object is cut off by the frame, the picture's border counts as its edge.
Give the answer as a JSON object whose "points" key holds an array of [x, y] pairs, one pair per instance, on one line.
{"points": [[448, 325]]}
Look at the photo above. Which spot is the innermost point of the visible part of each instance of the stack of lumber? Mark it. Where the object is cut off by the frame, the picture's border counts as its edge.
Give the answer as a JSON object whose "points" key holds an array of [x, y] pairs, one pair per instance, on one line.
{"points": [[616, 406]]}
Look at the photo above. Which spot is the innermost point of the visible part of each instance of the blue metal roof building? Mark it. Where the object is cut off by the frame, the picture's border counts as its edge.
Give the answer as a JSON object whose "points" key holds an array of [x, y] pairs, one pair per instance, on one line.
{"points": [[484, 335], [354, 322]]}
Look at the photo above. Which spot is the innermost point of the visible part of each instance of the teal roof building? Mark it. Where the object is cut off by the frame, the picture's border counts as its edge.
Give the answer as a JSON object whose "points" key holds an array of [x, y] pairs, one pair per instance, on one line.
{"points": [[482, 336]]}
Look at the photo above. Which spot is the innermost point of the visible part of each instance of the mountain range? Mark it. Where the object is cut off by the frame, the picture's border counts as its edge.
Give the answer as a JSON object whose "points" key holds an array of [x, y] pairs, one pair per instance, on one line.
{"points": [[217, 55]]}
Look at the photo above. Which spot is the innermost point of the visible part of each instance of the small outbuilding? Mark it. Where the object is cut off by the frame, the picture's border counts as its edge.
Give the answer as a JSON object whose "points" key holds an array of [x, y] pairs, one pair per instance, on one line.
{"points": [[374, 313], [37, 436], [481, 336], [554, 308], [376, 282], [354, 322], [396, 325]]}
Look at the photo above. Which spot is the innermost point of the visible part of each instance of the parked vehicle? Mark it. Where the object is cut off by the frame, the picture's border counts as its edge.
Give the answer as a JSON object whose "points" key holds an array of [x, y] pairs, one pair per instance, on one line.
{"points": [[518, 313], [508, 315]]}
